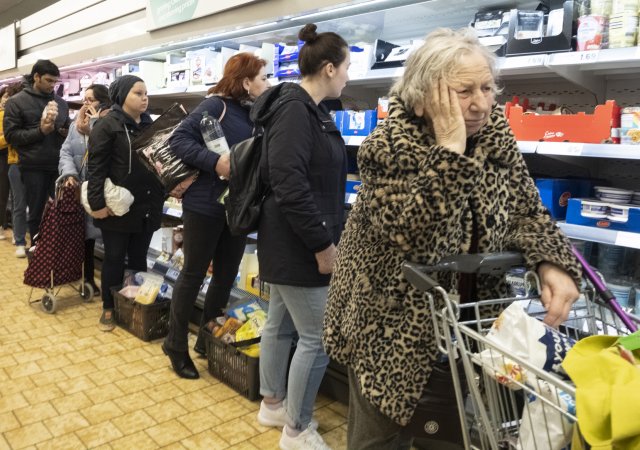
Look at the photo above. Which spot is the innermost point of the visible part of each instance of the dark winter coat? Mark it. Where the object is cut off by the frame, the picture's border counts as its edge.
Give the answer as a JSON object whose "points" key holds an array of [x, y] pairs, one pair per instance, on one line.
{"points": [[111, 156], [305, 166], [188, 144], [21, 125]]}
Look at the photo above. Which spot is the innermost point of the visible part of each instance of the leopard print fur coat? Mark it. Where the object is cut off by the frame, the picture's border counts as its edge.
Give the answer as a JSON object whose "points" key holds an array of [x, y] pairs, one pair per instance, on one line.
{"points": [[415, 203]]}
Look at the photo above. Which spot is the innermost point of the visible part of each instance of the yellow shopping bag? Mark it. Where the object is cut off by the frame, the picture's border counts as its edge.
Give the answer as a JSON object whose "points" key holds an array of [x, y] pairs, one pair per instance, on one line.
{"points": [[607, 393]]}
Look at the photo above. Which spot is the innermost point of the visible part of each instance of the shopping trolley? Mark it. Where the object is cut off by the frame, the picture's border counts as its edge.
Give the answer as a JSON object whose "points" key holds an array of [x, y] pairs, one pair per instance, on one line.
{"points": [[58, 256], [506, 410]]}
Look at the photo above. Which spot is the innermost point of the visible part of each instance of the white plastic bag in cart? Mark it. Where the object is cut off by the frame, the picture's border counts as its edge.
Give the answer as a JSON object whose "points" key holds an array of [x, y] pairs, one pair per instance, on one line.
{"points": [[528, 339], [543, 427]]}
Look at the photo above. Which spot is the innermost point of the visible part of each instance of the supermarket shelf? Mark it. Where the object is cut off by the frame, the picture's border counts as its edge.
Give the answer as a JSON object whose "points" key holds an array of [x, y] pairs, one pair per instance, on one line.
{"points": [[596, 60], [527, 147], [603, 236], [588, 150]]}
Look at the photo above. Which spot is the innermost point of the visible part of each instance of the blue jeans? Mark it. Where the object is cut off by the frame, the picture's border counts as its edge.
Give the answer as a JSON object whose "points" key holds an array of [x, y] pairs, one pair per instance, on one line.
{"points": [[18, 205], [294, 311]]}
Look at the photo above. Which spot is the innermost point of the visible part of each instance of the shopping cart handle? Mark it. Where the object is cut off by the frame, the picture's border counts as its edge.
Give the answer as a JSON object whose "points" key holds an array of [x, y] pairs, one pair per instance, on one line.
{"points": [[483, 263], [415, 274]]}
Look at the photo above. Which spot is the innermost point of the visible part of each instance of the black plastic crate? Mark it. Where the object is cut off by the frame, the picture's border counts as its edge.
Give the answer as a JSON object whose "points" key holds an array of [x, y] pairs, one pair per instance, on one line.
{"points": [[147, 322], [234, 368]]}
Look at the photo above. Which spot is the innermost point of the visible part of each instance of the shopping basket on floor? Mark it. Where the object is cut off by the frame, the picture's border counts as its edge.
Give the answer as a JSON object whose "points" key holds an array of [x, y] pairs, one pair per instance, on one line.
{"points": [[522, 406], [58, 256]]}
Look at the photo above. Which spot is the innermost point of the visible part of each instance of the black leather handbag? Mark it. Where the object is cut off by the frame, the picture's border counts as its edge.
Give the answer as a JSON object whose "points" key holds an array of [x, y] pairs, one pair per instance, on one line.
{"points": [[436, 418]]}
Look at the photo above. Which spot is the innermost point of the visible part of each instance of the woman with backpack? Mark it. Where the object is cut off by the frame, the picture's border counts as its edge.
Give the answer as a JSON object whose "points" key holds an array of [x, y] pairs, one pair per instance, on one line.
{"points": [[300, 224], [206, 235]]}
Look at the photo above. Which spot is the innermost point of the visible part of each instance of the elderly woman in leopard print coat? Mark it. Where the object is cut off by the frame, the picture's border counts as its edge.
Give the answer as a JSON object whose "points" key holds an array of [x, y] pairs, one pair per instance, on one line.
{"points": [[442, 175]]}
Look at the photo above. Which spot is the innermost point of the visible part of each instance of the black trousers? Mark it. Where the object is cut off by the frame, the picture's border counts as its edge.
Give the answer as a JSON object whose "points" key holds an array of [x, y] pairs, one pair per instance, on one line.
{"points": [[4, 187], [205, 239], [89, 262], [39, 186], [118, 246]]}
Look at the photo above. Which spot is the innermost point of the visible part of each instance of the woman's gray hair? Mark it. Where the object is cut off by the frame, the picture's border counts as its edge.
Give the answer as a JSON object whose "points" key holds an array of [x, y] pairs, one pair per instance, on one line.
{"points": [[438, 58]]}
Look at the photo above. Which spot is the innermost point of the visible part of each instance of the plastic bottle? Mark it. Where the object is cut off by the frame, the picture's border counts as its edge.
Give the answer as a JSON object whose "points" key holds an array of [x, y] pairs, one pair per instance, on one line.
{"points": [[213, 134]]}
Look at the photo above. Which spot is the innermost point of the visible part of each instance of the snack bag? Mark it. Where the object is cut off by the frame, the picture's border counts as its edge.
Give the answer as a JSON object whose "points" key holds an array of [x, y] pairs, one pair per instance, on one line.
{"points": [[528, 339], [244, 310], [229, 328], [252, 329]]}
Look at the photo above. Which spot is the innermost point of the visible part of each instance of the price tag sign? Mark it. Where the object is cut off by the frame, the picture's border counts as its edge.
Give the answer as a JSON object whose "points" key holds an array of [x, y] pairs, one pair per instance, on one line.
{"points": [[173, 212], [589, 56], [573, 149], [535, 60], [626, 239]]}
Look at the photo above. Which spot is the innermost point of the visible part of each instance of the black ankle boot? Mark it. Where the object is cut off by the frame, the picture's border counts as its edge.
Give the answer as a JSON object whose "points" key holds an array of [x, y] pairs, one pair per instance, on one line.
{"points": [[182, 364]]}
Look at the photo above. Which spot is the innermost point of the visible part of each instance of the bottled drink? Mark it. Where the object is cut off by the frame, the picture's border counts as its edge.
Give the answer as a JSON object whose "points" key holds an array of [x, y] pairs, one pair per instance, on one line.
{"points": [[213, 134]]}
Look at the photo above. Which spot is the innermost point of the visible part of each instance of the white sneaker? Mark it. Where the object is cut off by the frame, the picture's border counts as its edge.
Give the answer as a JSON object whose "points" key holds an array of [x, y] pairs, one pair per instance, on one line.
{"points": [[268, 417], [309, 439], [21, 252]]}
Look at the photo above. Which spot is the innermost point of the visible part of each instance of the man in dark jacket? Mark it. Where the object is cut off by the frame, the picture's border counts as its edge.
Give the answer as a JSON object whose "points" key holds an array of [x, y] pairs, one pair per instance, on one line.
{"points": [[35, 124]]}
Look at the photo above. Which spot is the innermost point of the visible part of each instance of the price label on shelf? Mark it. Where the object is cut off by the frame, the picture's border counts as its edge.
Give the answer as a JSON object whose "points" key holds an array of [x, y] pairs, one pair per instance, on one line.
{"points": [[535, 60], [589, 56], [626, 239], [573, 149], [560, 148]]}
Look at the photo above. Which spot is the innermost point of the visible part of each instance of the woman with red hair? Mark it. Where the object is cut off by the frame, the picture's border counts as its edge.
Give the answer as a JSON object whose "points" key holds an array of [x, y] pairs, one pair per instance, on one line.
{"points": [[206, 234]]}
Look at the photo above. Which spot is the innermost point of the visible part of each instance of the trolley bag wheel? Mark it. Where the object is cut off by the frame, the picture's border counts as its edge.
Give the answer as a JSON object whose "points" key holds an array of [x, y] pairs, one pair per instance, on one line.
{"points": [[48, 303], [87, 293]]}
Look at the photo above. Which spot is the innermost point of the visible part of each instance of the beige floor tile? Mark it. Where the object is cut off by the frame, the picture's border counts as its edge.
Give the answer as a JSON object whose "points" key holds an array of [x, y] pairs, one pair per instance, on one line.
{"points": [[79, 369], [198, 421], [55, 362], [236, 431], [71, 402], [131, 402], [336, 438], [137, 441], [136, 355], [42, 394], [4, 445], [29, 355], [8, 421], [328, 419], [190, 385], [99, 434], [229, 409], [67, 423], [166, 410], [73, 385], [267, 440], [168, 433], [245, 446], [35, 413], [207, 439], [174, 446], [16, 347], [101, 394], [133, 422], [194, 401], [23, 370], [3, 375], [49, 377], [82, 355], [220, 392], [101, 412], [66, 442], [102, 377], [17, 385], [161, 392], [104, 362], [163, 375], [133, 384], [12, 402], [27, 435]]}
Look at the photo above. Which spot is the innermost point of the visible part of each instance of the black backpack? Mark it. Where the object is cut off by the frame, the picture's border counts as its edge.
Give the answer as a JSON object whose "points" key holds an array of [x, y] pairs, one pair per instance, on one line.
{"points": [[246, 191]]}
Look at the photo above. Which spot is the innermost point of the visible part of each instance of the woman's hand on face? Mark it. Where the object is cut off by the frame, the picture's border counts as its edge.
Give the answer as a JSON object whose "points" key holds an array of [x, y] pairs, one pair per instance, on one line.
{"points": [[559, 292], [101, 213], [446, 116]]}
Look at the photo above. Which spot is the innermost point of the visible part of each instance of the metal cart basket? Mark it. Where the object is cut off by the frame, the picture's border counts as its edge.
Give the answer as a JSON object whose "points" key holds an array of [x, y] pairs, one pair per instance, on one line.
{"points": [[527, 407]]}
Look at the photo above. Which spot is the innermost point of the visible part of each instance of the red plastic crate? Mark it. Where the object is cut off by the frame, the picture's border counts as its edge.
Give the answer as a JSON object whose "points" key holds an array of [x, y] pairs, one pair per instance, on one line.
{"points": [[581, 127]]}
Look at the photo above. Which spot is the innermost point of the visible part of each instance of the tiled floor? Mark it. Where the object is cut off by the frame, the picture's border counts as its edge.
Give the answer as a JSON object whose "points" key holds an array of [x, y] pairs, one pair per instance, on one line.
{"points": [[66, 385]]}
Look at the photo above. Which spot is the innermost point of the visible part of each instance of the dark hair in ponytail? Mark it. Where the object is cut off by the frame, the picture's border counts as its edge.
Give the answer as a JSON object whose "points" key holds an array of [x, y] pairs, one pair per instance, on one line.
{"points": [[320, 49]]}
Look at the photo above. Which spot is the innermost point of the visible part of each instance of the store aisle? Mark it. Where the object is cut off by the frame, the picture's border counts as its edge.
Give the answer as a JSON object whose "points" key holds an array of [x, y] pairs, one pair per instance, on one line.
{"points": [[64, 384]]}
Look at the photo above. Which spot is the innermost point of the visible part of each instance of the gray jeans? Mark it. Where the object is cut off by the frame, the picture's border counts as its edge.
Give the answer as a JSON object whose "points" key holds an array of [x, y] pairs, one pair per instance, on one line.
{"points": [[369, 429], [294, 311]]}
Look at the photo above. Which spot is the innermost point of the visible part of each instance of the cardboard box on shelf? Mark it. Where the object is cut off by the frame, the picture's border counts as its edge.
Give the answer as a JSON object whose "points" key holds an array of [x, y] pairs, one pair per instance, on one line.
{"points": [[556, 192]]}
